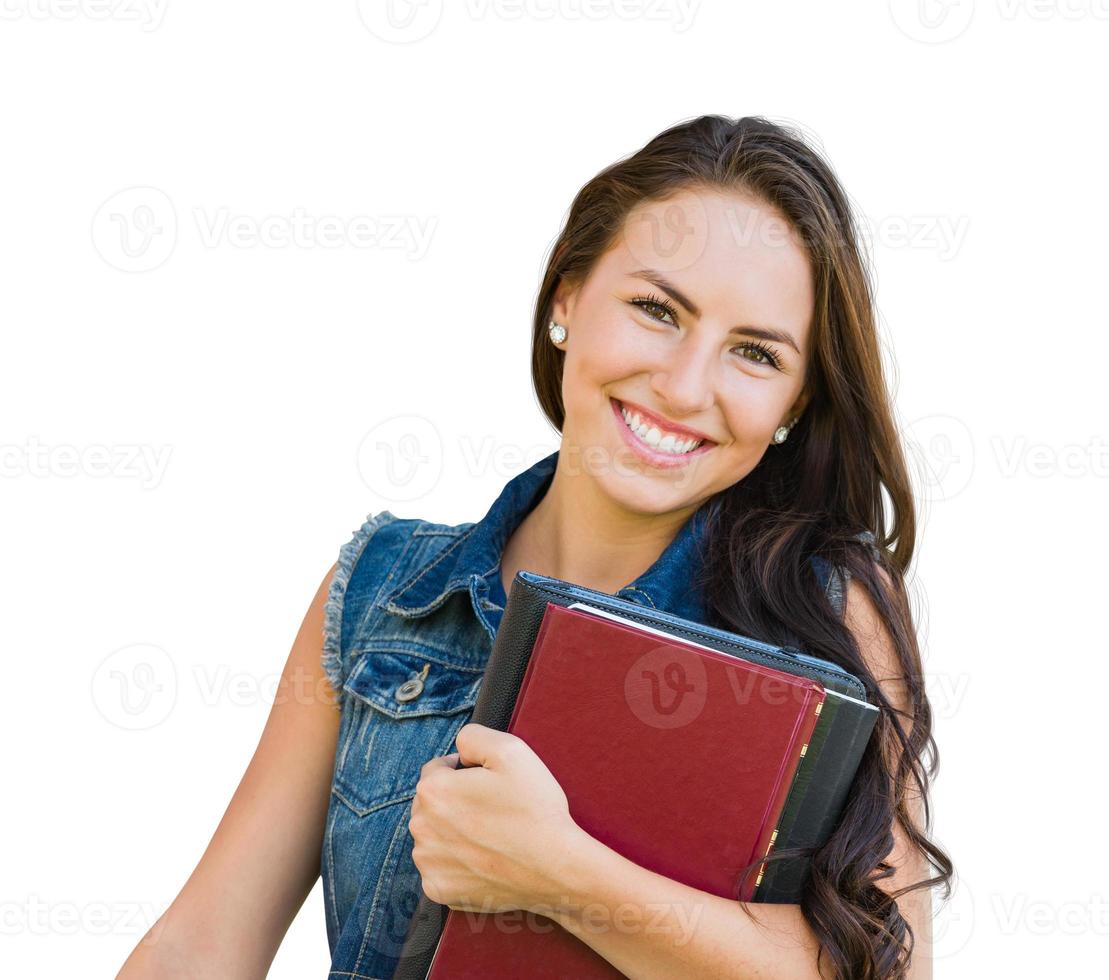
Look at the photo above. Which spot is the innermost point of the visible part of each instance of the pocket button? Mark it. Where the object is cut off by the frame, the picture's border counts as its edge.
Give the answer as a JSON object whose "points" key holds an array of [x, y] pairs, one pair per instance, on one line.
{"points": [[412, 688]]}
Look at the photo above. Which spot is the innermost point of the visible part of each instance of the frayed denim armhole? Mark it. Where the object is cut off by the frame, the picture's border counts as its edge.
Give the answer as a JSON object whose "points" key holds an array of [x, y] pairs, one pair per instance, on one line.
{"points": [[840, 576], [333, 663], [837, 588]]}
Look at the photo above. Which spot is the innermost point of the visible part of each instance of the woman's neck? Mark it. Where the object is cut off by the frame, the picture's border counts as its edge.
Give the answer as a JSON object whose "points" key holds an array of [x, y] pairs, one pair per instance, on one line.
{"points": [[578, 534]]}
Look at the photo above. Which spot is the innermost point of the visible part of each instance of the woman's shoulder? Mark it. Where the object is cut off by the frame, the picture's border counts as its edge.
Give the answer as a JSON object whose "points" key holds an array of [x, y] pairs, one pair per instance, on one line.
{"points": [[380, 553], [834, 577]]}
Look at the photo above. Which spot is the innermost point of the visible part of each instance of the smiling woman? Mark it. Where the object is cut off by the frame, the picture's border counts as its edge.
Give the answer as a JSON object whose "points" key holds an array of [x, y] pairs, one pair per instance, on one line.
{"points": [[706, 372], [704, 341], [713, 283]]}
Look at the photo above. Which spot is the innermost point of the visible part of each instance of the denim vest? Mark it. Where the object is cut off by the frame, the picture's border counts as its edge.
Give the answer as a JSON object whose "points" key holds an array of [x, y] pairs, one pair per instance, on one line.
{"points": [[410, 619]]}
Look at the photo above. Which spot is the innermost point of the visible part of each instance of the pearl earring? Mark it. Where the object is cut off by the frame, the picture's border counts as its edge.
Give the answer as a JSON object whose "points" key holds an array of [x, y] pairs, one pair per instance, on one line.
{"points": [[780, 434], [557, 332]]}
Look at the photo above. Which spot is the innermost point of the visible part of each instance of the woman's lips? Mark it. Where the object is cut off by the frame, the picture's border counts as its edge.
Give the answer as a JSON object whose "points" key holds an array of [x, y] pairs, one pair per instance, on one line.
{"points": [[653, 456], [662, 424]]}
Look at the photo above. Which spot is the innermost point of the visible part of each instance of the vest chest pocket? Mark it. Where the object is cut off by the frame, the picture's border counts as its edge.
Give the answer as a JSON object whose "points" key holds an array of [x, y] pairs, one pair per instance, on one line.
{"points": [[404, 709]]}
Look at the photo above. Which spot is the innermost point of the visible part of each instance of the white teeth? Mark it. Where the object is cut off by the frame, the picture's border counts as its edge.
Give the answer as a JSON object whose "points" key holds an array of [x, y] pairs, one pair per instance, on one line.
{"points": [[668, 443]]}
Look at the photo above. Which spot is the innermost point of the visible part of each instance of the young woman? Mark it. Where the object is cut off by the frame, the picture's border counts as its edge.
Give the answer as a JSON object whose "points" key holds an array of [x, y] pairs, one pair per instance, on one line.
{"points": [[704, 340]]}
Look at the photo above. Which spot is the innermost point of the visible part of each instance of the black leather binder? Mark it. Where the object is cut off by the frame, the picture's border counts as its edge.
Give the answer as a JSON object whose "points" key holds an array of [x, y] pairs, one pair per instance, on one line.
{"points": [[819, 788]]}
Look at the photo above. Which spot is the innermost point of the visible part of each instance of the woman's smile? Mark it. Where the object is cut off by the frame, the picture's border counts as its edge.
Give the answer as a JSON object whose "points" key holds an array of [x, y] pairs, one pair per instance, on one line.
{"points": [[655, 446]]}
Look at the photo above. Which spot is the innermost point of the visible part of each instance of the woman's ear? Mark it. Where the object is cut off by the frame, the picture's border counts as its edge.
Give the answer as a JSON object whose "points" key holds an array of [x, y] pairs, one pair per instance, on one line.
{"points": [[798, 407], [562, 308]]}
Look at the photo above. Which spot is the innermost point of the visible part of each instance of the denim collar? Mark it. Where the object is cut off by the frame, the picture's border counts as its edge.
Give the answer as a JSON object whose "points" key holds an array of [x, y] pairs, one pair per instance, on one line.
{"points": [[475, 555]]}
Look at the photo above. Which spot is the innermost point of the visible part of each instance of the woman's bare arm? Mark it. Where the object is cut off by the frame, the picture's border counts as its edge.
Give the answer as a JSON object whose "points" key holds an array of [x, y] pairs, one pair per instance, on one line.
{"points": [[263, 859]]}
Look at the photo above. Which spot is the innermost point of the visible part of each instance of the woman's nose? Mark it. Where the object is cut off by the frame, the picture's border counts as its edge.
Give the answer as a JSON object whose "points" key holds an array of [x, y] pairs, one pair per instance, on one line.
{"points": [[684, 384]]}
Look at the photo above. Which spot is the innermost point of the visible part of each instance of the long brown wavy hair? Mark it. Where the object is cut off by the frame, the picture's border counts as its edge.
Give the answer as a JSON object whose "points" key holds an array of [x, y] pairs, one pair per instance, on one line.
{"points": [[816, 494]]}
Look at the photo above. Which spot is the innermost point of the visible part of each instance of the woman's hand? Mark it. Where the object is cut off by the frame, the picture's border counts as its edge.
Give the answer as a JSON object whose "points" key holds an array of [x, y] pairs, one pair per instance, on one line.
{"points": [[495, 836]]}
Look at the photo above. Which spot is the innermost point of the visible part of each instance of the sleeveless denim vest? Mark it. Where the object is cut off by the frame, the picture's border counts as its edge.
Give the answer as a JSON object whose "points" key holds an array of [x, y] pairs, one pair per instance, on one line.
{"points": [[410, 618]]}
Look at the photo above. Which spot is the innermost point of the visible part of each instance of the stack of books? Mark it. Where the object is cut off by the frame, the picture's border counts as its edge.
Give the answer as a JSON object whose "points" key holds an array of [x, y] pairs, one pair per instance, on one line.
{"points": [[689, 750]]}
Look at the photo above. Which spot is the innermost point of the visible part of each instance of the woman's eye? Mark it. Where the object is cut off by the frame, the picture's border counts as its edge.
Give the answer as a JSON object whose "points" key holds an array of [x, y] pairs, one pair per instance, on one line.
{"points": [[762, 355], [647, 305], [657, 310]]}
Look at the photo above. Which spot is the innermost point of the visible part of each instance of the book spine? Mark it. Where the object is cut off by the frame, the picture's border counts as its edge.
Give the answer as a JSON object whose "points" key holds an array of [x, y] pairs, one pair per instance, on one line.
{"points": [[820, 809], [767, 841]]}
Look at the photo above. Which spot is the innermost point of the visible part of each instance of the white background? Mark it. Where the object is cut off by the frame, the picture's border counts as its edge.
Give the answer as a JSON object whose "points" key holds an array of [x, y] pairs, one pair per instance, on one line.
{"points": [[255, 375]]}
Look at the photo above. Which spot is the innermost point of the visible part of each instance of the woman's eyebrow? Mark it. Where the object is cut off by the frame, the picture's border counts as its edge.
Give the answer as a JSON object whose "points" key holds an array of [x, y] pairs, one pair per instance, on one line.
{"points": [[765, 333], [657, 279]]}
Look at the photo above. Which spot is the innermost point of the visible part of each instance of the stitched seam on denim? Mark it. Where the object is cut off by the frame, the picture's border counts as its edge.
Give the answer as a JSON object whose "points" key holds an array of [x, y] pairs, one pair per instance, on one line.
{"points": [[413, 643], [427, 568], [632, 588], [429, 530], [424, 713], [329, 840], [385, 870], [430, 658], [374, 612], [364, 811], [373, 727], [347, 973], [837, 588], [391, 576], [352, 739]]}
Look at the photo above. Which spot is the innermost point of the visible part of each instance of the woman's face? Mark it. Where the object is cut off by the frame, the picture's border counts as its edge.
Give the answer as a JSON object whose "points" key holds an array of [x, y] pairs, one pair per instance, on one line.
{"points": [[728, 267]]}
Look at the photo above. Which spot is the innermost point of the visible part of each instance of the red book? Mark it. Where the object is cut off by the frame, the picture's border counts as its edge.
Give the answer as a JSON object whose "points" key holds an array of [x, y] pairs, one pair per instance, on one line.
{"points": [[676, 756]]}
